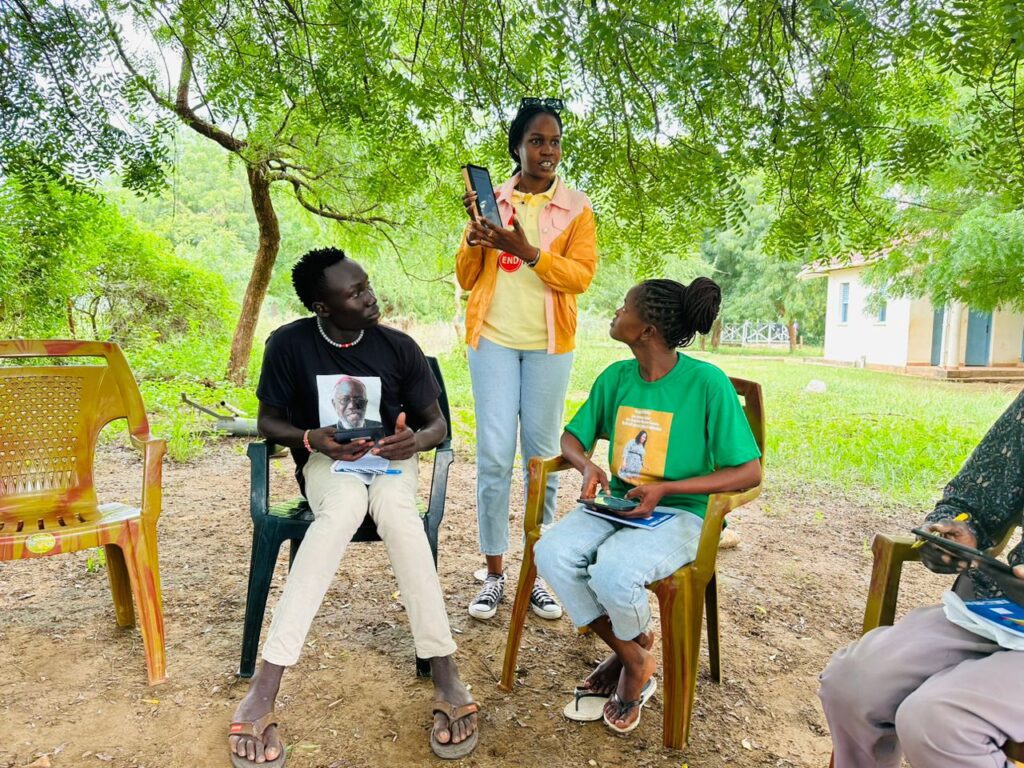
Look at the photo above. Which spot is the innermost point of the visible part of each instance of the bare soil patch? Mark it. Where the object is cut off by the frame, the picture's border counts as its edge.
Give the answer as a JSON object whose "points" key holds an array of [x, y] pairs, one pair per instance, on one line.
{"points": [[73, 684]]}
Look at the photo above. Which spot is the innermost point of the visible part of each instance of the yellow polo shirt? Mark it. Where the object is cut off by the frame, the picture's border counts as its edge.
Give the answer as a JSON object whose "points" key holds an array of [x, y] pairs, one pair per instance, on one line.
{"points": [[516, 317]]}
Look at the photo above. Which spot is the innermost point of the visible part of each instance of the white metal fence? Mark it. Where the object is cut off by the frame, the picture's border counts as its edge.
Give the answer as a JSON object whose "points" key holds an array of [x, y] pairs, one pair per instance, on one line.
{"points": [[755, 333]]}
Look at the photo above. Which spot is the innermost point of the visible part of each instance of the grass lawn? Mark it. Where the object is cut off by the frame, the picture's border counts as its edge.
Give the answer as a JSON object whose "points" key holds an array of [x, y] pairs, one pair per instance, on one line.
{"points": [[894, 438]]}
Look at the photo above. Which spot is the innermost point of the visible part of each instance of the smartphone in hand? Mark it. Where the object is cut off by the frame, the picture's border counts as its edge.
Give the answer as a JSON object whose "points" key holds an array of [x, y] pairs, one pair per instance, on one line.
{"points": [[612, 504], [962, 551], [478, 180], [360, 433]]}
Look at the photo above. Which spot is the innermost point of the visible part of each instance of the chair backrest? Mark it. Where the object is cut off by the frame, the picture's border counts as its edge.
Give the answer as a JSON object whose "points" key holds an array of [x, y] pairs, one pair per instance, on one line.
{"points": [[753, 408], [50, 416]]}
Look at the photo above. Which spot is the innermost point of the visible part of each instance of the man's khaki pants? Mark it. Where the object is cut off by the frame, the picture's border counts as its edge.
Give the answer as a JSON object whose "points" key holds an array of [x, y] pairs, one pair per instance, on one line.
{"points": [[339, 503]]}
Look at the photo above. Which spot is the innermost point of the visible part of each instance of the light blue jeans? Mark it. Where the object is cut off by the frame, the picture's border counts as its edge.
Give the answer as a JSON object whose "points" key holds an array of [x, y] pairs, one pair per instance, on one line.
{"points": [[597, 567], [513, 390]]}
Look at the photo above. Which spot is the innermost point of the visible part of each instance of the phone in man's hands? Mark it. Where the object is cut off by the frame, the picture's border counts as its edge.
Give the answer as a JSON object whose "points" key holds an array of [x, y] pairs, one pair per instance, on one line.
{"points": [[359, 433]]}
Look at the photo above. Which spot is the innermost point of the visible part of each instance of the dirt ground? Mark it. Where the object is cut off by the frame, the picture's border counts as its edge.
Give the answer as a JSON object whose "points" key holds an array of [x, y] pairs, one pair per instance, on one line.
{"points": [[73, 685]]}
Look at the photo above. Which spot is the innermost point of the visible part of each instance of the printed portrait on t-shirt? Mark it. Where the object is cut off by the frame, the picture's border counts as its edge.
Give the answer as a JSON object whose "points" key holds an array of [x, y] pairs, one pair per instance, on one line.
{"points": [[349, 402], [641, 444]]}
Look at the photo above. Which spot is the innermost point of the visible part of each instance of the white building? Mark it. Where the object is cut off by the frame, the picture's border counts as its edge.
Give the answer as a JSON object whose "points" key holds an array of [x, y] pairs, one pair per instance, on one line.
{"points": [[910, 334]]}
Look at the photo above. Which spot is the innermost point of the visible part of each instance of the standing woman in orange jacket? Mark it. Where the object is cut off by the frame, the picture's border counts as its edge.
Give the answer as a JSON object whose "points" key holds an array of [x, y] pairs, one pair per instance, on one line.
{"points": [[521, 327]]}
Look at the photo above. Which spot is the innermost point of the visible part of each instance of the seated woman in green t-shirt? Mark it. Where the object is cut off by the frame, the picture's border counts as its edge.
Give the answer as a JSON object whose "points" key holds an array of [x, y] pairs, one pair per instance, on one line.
{"points": [[692, 423]]}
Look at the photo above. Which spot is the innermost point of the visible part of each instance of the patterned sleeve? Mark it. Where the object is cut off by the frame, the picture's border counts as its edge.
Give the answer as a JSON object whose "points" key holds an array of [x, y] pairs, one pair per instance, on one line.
{"points": [[990, 485]]}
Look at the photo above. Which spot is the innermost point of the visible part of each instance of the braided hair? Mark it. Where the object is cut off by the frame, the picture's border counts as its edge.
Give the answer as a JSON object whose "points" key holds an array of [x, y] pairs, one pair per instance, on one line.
{"points": [[678, 311], [520, 123]]}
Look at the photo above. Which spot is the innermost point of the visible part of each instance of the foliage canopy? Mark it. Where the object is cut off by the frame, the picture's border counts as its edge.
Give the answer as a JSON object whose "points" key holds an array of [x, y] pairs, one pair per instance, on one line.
{"points": [[872, 121]]}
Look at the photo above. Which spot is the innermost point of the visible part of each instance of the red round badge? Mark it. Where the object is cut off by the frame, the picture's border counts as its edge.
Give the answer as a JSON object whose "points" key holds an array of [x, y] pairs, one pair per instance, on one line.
{"points": [[508, 262]]}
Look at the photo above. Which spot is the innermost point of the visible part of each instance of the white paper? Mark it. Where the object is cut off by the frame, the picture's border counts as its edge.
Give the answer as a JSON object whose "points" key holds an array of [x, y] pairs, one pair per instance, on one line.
{"points": [[367, 467], [962, 616]]}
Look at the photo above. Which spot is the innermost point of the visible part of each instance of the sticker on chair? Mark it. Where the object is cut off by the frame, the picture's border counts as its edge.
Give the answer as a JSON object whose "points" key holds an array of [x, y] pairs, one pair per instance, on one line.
{"points": [[40, 543]]}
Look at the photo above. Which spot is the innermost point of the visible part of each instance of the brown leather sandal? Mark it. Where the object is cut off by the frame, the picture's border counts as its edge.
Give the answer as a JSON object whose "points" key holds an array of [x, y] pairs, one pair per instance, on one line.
{"points": [[454, 751], [256, 729]]}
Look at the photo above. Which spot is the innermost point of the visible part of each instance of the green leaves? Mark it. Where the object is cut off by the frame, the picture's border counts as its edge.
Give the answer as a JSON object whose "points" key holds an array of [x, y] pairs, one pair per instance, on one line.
{"points": [[856, 116], [71, 265]]}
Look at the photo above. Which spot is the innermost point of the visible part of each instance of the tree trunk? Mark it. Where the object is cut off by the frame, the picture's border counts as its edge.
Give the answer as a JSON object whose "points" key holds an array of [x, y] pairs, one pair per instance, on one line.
{"points": [[791, 325], [259, 280], [716, 333], [71, 319]]}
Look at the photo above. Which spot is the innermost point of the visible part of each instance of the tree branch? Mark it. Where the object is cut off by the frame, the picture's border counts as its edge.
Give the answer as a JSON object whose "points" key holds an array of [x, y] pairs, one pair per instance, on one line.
{"points": [[327, 212]]}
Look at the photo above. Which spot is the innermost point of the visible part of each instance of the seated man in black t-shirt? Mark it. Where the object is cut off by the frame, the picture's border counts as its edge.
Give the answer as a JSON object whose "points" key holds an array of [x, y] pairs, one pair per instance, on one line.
{"points": [[305, 364]]}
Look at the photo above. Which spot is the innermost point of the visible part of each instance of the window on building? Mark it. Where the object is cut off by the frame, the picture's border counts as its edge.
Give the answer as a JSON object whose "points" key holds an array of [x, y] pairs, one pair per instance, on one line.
{"points": [[844, 302], [883, 306]]}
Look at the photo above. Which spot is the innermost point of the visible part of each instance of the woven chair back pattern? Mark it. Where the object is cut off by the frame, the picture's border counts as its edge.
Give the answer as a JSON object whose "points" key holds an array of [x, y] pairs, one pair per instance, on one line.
{"points": [[40, 433], [50, 417]]}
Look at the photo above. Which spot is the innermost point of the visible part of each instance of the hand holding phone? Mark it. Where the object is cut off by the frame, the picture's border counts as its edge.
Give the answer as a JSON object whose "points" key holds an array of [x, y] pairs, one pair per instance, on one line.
{"points": [[342, 435], [479, 197], [606, 503], [962, 552], [399, 445]]}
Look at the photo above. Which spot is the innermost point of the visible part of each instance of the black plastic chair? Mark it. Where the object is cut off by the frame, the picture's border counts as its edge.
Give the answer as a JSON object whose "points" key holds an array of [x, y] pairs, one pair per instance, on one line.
{"points": [[273, 524]]}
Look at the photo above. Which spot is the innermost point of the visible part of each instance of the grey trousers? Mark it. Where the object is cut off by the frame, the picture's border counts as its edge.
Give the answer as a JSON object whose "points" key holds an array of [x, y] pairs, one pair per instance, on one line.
{"points": [[948, 698]]}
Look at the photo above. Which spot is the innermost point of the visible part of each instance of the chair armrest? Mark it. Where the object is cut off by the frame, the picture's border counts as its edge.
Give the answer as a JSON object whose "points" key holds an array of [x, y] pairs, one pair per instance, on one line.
{"points": [[444, 456], [890, 553], [719, 505], [153, 450], [538, 470], [259, 478]]}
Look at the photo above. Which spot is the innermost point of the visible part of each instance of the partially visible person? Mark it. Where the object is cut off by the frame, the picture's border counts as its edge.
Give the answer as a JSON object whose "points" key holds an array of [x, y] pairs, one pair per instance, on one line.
{"points": [[698, 443], [521, 328], [633, 457], [925, 688], [297, 388], [350, 400]]}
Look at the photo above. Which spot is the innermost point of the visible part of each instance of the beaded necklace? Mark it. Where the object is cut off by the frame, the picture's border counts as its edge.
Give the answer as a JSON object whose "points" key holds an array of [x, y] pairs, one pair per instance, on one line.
{"points": [[338, 344]]}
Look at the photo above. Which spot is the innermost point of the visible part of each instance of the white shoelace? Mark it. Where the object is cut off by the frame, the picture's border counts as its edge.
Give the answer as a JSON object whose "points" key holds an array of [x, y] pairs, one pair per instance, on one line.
{"points": [[491, 592], [541, 596]]}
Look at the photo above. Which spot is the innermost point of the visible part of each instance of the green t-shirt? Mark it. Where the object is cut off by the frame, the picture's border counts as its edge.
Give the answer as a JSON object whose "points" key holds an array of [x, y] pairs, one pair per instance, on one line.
{"points": [[683, 425]]}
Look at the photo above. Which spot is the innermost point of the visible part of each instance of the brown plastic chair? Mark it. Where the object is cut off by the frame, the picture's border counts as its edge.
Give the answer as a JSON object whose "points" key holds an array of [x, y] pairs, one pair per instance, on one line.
{"points": [[891, 552], [50, 416], [682, 596]]}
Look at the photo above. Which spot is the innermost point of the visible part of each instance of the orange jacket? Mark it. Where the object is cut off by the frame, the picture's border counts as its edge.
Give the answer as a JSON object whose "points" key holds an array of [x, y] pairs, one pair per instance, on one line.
{"points": [[568, 260]]}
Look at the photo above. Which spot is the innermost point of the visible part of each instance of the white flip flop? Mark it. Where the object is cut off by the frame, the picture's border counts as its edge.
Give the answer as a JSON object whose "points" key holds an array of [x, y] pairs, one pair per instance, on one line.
{"points": [[645, 695], [588, 706]]}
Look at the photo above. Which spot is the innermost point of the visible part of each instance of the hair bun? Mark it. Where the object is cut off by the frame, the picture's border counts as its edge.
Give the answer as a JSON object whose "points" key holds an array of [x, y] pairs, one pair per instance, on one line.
{"points": [[701, 300]]}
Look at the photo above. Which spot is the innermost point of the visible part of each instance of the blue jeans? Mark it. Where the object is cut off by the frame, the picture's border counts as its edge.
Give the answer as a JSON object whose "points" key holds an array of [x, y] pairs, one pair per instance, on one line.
{"points": [[598, 567], [513, 389]]}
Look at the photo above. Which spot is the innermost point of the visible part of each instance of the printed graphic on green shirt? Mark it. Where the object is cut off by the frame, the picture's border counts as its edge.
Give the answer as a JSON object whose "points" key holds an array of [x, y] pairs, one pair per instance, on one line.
{"points": [[691, 417], [641, 444]]}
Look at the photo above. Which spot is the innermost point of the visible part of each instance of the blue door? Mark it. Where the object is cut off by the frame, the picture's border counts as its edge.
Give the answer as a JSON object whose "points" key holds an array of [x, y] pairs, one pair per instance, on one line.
{"points": [[938, 319], [979, 338]]}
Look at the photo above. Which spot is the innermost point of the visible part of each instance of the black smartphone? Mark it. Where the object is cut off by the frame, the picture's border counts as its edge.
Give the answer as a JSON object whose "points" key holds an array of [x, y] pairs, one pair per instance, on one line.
{"points": [[360, 433], [962, 551], [478, 180], [612, 504]]}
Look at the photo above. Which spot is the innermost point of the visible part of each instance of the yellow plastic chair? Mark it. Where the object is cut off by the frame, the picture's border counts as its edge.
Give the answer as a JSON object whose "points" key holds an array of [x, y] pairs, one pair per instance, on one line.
{"points": [[682, 596], [50, 416], [890, 553]]}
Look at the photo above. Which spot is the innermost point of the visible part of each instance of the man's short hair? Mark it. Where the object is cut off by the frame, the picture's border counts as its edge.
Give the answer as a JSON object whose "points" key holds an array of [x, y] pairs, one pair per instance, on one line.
{"points": [[308, 273]]}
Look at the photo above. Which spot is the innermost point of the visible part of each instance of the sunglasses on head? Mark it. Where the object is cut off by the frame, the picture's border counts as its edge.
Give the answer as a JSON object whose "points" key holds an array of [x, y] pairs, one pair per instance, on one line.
{"points": [[556, 104]]}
